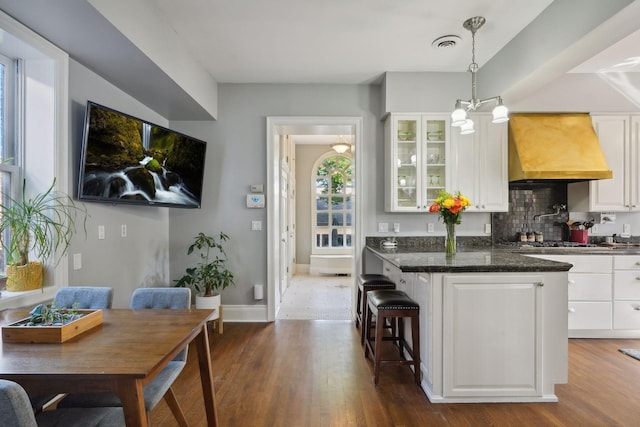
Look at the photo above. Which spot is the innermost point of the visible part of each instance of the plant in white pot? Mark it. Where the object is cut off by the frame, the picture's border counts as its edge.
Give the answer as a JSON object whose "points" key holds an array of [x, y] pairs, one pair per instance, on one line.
{"points": [[210, 275], [42, 225]]}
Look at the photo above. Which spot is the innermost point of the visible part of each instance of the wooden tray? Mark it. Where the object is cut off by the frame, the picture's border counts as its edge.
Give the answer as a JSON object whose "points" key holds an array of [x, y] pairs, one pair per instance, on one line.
{"points": [[17, 333]]}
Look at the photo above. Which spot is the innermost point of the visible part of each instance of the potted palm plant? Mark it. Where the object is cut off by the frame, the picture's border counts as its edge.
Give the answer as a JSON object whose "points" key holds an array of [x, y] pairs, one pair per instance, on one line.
{"points": [[210, 275], [41, 225]]}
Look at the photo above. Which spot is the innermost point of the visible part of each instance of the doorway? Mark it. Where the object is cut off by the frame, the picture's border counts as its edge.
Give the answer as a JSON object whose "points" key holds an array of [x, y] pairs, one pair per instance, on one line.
{"points": [[282, 133]]}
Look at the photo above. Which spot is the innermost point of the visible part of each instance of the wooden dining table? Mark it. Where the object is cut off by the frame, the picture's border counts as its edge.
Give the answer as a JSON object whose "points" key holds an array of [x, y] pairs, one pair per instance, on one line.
{"points": [[121, 355]]}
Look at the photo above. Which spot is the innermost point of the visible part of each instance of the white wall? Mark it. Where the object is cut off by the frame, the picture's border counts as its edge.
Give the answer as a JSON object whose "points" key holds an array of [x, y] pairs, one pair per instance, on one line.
{"points": [[142, 258]]}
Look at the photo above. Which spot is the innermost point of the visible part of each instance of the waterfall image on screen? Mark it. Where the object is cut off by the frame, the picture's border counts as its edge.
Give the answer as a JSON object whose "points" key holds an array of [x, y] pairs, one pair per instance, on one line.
{"points": [[128, 160]]}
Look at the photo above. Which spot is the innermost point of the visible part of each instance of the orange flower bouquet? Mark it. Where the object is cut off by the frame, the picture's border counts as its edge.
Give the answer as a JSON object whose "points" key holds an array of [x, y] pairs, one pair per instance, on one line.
{"points": [[450, 207]]}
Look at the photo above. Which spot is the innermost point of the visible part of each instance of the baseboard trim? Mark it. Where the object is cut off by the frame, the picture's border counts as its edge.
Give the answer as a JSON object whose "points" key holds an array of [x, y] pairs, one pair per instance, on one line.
{"points": [[245, 313]]}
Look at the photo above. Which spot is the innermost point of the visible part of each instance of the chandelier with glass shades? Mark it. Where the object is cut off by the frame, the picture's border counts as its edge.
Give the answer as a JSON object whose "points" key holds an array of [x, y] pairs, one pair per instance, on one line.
{"points": [[459, 116]]}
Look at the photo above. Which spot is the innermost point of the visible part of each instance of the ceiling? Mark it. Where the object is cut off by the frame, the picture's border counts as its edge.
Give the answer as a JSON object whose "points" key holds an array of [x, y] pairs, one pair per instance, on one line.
{"points": [[335, 41], [290, 41]]}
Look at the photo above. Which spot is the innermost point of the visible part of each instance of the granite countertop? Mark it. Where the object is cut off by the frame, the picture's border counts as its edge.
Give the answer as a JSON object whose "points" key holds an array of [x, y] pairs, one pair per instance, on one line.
{"points": [[595, 250], [481, 260]]}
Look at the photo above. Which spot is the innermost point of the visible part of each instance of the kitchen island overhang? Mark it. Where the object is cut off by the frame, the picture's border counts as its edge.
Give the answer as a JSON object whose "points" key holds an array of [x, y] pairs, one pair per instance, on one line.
{"points": [[493, 324]]}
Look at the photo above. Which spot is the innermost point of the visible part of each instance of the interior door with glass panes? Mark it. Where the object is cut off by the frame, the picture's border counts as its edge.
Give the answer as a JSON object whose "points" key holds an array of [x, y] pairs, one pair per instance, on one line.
{"points": [[406, 135], [435, 141]]}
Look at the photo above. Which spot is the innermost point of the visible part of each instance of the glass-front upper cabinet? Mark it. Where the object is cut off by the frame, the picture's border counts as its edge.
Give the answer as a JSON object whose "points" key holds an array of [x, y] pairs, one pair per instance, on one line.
{"points": [[436, 134], [416, 151]]}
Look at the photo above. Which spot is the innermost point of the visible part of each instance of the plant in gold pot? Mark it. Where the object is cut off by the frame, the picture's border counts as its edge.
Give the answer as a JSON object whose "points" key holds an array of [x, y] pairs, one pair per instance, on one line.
{"points": [[42, 225], [210, 274]]}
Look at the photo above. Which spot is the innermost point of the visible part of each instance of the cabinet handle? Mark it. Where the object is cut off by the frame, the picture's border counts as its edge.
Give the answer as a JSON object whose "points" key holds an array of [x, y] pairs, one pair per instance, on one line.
{"points": [[402, 281], [572, 310], [572, 282], [541, 284], [638, 278], [638, 263], [637, 308]]}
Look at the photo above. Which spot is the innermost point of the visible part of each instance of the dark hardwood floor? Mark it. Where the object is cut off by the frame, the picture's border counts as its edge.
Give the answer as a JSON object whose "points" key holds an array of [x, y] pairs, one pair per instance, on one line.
{"points": [[313, 373]]}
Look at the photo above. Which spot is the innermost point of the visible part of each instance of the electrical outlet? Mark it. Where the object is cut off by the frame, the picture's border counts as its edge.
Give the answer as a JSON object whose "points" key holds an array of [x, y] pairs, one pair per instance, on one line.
{"points": [[101, 232], [123, 230], [594, 229], [430, 227], [77, 261], [396, 227], [487, 228], [626, 230], [383, 227]]}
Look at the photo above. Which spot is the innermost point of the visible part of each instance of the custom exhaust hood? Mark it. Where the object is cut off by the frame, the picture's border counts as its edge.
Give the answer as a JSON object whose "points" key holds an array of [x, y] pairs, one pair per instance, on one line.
{"points": [[554, 147]]}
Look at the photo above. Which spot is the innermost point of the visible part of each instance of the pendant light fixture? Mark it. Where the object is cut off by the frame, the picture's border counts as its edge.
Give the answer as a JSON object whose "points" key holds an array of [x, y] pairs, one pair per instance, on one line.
{"points": [[459, 116]]}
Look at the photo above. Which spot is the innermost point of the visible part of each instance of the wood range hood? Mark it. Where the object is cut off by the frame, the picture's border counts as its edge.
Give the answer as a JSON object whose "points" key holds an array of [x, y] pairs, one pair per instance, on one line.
{"points": [[554, 147]]}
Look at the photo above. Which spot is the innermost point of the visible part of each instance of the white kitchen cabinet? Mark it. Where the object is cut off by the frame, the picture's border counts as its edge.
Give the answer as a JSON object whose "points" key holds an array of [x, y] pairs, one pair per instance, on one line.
{"points": [[423, 295], [492, 321], [416, 160], [392, 272], [590, 291], [604, 295], [626, 294], [505, 323], [480, 165], [619, 137]]}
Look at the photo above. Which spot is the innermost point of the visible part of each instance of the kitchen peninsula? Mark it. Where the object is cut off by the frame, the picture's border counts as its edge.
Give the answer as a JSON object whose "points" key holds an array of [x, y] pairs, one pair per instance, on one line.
{"points": [[493, 324]]}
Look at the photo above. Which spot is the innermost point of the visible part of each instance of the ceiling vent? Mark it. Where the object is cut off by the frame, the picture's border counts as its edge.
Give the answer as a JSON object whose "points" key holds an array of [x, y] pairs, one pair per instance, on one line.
{"points": [[445, 42]]}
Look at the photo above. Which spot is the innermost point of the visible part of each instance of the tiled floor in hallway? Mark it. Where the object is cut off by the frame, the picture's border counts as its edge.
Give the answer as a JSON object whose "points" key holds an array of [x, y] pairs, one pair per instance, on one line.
{"points": [[317, 298]]}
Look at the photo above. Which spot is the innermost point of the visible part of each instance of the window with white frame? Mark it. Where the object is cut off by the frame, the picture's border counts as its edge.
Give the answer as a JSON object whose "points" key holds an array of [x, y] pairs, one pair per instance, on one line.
{"points": [[8, 112], [332, 209], [35, 132]]}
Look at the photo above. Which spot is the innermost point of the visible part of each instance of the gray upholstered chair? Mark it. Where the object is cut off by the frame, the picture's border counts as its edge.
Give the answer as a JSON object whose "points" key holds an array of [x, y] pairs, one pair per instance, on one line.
{"points": [[86, 297], [82, 297], [15, 410], [160, 386]]}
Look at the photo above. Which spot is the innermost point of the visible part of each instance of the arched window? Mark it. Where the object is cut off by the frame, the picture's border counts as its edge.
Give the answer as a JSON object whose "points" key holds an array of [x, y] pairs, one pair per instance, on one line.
{"points": [[332, 209]]}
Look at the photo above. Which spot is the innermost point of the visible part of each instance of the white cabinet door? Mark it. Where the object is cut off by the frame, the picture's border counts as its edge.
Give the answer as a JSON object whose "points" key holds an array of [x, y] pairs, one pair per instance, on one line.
{"points": [[416, 159], [492, 336], [590, 315], [480, 164], [493, 178], [618, 135]]}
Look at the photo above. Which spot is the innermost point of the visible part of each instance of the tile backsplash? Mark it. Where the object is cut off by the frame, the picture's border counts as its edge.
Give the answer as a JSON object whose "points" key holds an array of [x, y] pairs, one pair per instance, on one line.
{"points": [[524, 205]]}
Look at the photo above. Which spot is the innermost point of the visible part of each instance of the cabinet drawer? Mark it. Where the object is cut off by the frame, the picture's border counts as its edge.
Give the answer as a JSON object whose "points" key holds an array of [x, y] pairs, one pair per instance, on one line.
{"points": [[590, 315], [626, 284], [626, 314], [626, 262], [589, 287], [583, 263]]}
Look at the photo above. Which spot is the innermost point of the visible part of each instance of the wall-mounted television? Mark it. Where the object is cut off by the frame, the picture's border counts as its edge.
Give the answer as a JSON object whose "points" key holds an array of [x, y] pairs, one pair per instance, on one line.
{"points": [[128, 160]]}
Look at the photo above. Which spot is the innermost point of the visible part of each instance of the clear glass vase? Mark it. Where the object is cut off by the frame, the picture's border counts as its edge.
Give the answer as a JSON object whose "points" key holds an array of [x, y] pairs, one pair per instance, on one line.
{"points": [[450, 240]]}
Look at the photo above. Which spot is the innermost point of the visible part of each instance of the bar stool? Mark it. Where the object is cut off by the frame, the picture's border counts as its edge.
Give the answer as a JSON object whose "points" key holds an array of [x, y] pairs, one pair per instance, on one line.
{"points": [[392, 305], [366, 283]]}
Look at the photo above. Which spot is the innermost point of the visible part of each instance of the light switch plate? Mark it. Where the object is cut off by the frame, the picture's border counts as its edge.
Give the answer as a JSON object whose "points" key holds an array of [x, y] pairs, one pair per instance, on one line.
{"points": [[430, 228]]}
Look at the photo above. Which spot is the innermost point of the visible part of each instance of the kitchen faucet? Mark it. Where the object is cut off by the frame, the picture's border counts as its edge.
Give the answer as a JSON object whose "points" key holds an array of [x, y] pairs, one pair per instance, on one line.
{"points": [[558, 208]]}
